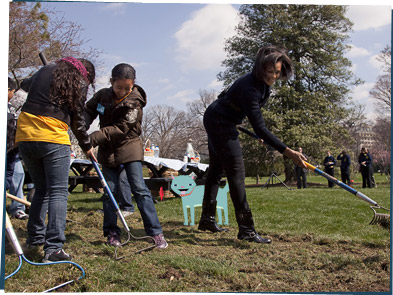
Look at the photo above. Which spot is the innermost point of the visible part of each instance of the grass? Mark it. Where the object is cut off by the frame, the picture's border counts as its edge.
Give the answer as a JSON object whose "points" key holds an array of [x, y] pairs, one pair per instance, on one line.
{"points": [[321, 243]]}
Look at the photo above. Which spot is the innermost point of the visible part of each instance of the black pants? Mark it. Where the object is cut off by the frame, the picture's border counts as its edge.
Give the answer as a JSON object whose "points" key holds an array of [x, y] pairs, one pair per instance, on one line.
{"points": [[301, 177], [225, 158], [345, 178], [366, 176], [330, 171]]}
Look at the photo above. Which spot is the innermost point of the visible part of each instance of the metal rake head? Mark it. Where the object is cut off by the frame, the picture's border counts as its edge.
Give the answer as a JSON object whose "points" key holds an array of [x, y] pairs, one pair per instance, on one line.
{"points": [[381, 219], [136, 238]]}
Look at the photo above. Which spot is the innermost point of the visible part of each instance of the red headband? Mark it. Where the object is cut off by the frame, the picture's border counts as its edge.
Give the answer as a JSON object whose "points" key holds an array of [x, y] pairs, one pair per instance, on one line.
{"points": [[77, 64]]}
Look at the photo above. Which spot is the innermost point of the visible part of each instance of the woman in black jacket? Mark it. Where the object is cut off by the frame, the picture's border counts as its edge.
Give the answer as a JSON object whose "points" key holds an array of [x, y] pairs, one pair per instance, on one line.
{"points": [[243, 99]]}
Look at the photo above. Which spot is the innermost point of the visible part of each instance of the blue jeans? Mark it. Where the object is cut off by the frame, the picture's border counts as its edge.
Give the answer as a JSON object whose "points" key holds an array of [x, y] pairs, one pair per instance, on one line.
{"points": [[142, 195], [123, 191], [16, 181], [48, 165]]}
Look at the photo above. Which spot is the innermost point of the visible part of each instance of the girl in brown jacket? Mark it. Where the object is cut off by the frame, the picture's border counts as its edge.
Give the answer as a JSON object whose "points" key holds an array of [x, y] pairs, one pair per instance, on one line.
{"points": [[120, 113]]}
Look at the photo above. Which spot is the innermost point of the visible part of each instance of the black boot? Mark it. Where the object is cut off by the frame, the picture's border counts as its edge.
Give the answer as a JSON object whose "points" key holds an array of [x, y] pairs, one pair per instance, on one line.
{"points": [[208, 217], [246, 228]]}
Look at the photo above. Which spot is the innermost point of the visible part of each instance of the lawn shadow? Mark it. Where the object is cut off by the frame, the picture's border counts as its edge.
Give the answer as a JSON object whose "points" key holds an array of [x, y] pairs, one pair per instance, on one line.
{"points": [[181, 233], [72, 237], [86, 200]]}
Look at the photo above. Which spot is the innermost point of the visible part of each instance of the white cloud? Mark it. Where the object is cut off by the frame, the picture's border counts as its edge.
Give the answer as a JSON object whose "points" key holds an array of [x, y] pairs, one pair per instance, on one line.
{"points": [[367, 17], [361, 95], [115, 8], [216, 84], [103, 81], [361, 92], [184, 96], [375, 63], [200, 40], [112, 60], [357, 51]]}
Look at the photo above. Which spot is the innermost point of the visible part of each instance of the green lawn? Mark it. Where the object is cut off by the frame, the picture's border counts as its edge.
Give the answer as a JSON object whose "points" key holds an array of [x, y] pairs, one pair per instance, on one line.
{"points": [[322, 242]]}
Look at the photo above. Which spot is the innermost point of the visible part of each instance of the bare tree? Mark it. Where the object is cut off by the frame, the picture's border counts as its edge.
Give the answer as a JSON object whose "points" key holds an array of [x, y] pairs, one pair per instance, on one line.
{"points": [[196, 110], [198, 107], [382, 90], [168, 128], [172, 129], [381, 149], [34, 28]]}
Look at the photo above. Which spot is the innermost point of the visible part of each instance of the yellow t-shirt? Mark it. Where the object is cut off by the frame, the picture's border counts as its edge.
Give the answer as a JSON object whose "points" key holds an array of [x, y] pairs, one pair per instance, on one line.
{"points": [[40, 128]]}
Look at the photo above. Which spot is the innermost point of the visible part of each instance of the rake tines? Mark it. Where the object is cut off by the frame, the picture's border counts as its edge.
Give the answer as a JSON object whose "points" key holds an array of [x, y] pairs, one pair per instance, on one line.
{"points": [[381, 219]]}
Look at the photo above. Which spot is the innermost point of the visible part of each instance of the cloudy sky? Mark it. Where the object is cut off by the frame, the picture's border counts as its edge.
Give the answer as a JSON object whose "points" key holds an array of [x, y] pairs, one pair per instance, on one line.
{"points": [[177, 48]]}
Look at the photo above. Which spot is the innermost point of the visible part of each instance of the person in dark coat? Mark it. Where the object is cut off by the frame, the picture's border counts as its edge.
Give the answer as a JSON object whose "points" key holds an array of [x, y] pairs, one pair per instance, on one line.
{"points": [[244, 98], [365, 164], [301, 175], [15, 174], [329, 162], [373, 182], [120, 112], [345, 167]]}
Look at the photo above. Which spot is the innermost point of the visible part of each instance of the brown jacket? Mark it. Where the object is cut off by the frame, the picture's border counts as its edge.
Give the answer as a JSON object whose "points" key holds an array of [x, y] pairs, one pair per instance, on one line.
{"points": [[120, 126]]}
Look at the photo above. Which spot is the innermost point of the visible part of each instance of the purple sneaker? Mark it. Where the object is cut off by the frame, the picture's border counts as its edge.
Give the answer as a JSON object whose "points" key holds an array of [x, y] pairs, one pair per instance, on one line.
{"points": [[114, 239], [160, 241]]}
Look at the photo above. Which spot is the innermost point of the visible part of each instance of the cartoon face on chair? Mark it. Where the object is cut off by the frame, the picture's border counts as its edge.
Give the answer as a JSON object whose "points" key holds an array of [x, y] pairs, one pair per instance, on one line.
{"points": [[192, 196], [183, 185]]}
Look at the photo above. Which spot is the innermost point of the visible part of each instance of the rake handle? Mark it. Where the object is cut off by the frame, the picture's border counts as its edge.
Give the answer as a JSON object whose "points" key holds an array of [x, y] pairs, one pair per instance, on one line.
{"points": [[108, 191], [341, 184], [320, 172], [43, 58], [24, 202]]}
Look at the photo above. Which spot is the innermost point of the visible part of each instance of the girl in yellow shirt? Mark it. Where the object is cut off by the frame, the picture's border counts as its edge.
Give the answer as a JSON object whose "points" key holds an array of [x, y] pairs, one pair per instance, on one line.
{"points": [[56, 96]]}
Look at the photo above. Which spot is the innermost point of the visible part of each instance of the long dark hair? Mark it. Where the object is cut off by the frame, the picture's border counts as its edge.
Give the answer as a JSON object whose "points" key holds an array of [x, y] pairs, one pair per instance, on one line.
{"points": [[68, 86], [268, 56]]}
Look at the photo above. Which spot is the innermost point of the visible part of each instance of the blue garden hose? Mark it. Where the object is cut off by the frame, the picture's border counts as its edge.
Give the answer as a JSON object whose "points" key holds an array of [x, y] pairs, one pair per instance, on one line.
{"points": [[16, 270], [18, 250]]}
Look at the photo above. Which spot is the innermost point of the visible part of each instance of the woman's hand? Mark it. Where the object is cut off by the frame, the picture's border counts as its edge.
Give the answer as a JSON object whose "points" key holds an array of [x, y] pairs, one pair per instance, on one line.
{"points": [[296, 157], [90, 154]]}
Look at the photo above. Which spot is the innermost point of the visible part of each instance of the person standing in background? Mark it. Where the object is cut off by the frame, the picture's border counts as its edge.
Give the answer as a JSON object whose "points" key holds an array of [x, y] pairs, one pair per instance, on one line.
{"points": [[301, 175], [373, 182], [329, 162], [365, 164], [344, 167], [15, 174]]}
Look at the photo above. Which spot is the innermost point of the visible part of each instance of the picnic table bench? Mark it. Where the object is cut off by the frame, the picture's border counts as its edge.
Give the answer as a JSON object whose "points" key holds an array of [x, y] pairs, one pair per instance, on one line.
{"points": [[82, 168]]}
